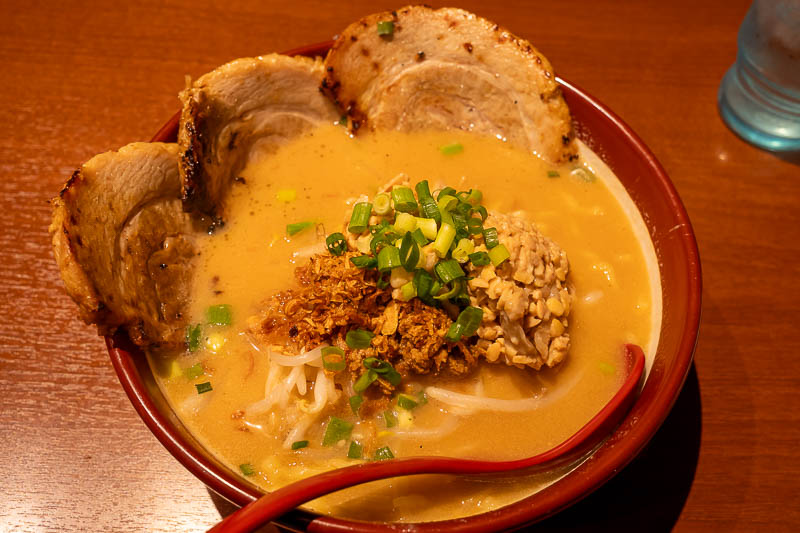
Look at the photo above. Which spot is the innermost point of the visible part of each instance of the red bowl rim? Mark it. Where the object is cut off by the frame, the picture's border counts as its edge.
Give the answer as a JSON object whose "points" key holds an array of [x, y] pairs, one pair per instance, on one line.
{"points": [[609, 459]]}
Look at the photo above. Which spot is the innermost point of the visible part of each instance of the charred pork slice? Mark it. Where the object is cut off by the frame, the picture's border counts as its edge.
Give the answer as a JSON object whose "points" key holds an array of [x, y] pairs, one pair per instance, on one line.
{"points": [[419, 68], [124, 244], [248, 106]]}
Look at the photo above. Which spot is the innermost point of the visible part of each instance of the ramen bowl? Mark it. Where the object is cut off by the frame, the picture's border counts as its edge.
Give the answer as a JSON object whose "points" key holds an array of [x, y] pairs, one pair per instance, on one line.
{"points": [[676, 250]]}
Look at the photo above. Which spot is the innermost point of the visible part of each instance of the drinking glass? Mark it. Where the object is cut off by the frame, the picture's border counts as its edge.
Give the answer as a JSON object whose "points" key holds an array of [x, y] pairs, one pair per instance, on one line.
{"points": [[759, 98]]}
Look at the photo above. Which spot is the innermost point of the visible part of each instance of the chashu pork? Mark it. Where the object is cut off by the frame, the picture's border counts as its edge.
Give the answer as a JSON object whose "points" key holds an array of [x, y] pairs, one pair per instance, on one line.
{"points": [[124, 243], [448, 68], [247, 106]]}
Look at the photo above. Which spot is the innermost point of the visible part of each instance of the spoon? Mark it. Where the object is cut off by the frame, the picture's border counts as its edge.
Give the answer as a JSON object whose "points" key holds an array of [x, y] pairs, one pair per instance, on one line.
{"points": [[276, 503]]}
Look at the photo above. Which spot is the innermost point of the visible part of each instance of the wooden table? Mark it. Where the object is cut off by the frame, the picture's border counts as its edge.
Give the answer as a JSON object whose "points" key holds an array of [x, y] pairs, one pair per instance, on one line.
{"points": [[83, 79]]}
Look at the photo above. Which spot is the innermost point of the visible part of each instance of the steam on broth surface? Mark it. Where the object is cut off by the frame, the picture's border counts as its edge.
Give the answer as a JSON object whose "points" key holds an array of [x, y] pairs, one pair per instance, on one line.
{"points": [[617, 300]]}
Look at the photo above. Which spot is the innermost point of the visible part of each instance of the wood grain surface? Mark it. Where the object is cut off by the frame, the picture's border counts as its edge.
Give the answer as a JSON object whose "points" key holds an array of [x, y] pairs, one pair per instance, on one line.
{"points": [[80, 78]]}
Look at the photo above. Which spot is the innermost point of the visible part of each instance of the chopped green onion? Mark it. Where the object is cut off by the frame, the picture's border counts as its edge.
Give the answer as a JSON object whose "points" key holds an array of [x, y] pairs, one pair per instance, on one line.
{"points": [[406, 402], [474, 197], [466, 324], [364, 261], [359, 220], [446, 204], [429, 209], [409, 253], [359, 338], [388, 258], [481, 211], [405, 222], [444, 239], [333, 359], [342, 120], [286, 195], [297, 227], [390, 418], [454, 291], [403, 199], [407, 291], [386, 28], [203, 388], [336, 243], [447, 191], [423, 283], [355, 402], [480, 259], [463, 249], [383, 282], [553, 174], [193, 334], [451, 149], [498, 254], [607, 368], [195, 371], [382, 204], [381, 454], [299, 444], [384, 368], [474, 226], [423, 190], [356, 450], [247, 469], [336, 430], [419, 237], [448, 270], [365, 380], [219, 315], [490, 237], [427, 226]]}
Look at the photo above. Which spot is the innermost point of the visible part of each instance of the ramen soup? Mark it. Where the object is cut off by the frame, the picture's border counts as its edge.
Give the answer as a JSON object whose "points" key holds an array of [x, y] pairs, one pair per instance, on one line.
{"points": [[275, 416]]}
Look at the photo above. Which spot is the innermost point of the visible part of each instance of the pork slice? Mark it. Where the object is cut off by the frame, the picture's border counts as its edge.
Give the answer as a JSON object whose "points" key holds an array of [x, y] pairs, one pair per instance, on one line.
{"points": [[124, 245], [247, 106], [449, 69]]}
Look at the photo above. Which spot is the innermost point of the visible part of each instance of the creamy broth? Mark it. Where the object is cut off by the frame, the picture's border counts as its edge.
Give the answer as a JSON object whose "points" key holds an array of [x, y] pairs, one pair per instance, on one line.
{"points": [[612, 268]]}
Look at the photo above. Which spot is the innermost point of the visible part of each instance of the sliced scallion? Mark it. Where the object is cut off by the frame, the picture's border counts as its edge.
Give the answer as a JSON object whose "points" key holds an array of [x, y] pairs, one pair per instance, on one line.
{"points": [[452, 148], [365, 380], [247, 469], [553, 174], [336, 430], [297, 445], [383, 369], [445, 237], [404, 223], [358, 338], [480, 259], [386, 28], [463, 249], [381, 454], [382, 204], [474, 197], [390, 418], [359, 220], [406, 402], [423, 283], [297, 227], [454, 291], [195, 371], [409, 253], [465, 325], [333, 359], [407, 291], [419, 237], [219, 315], [498, 254], [355, 402], [388, 258], [448, 270], [428, 227], [403, 199], [364, 261], [355, 451], [447, 191], [336, 243], [203, 388], [490, 237], [193, 334]]}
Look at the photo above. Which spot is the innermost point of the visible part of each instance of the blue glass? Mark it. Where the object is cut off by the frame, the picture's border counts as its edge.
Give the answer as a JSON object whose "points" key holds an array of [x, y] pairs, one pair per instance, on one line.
{"points": [[759, 98]]}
